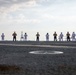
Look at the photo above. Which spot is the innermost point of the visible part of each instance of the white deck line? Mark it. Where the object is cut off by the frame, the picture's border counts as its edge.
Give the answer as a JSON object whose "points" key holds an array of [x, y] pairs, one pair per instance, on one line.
{"points": [[46, 52], [50, 46]]}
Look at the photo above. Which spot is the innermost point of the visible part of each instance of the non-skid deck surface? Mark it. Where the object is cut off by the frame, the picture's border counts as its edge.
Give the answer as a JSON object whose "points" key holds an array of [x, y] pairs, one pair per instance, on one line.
{"points": [[15, 58]]}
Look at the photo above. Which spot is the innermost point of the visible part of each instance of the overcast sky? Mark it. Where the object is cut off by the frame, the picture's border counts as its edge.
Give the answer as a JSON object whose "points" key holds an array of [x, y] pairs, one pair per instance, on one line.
{"points": [[34, 16]]}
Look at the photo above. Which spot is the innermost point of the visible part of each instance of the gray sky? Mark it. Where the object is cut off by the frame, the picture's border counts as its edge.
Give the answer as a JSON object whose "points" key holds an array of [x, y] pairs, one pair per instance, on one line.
{"points": [[34, 16]]}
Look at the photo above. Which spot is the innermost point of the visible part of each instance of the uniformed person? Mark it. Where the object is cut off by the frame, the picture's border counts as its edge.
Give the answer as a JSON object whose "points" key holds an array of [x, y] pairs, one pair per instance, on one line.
{"points": [[68, 36], [14, 36], [55, 36], [37, 36]]}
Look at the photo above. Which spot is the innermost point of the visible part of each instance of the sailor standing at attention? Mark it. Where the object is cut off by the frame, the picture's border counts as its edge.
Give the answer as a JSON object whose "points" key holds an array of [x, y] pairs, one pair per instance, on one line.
{"points": [[61, 36], [73, 36], [37, 36], [68, 36], [55, 36], [2, 36], [25, 36], [22, 38], [47, 37], [14, 36]]}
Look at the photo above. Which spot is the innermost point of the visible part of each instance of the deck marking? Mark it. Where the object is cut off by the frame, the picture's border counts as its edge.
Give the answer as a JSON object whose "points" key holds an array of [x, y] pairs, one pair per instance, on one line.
{"points": [[48, 46], [46, 52]]}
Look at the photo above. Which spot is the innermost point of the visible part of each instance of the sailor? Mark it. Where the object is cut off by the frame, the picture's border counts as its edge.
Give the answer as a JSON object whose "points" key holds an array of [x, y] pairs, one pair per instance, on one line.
{"points": [[61, 37], [73, 36], [2, 36], [14, 36], [21, 36], [68, 36], [55, 36], [25, 36], [47, 37], [37, 36]]}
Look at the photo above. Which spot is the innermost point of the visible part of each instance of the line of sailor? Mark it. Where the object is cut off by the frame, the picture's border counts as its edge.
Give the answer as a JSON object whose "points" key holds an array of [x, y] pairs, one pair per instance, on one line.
{"points": [[60, 37]]}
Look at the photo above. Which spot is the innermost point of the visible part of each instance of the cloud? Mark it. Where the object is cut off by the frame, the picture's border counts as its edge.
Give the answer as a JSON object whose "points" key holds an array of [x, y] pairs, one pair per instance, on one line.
{"points": [[13, 5], [20, 19], [30, 11], [4, 3]]}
